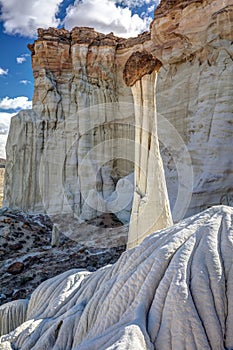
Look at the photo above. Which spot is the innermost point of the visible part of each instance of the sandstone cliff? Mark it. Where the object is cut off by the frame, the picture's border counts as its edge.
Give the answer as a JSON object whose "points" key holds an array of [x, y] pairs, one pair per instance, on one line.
{"points": [[193, 40], [83, 109], [73, 72], [174, 291]]}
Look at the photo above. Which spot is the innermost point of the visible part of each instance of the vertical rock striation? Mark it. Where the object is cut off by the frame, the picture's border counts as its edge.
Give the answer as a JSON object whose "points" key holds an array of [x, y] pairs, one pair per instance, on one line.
{"points": [[151, 209], [71, 149], [193, 40], [12, 315]]}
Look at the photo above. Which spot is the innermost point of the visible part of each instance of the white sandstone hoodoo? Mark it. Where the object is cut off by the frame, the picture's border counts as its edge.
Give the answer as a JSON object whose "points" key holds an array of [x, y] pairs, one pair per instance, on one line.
{"points": [[151, 209]]}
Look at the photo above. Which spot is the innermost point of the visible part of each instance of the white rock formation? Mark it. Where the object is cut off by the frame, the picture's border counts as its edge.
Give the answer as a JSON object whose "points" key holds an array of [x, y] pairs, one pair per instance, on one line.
{"points": [[194, 93], [77, 70], [174, 291], [12, 315], [55, 239], [80, 121], [120, 201], [151, 209]]}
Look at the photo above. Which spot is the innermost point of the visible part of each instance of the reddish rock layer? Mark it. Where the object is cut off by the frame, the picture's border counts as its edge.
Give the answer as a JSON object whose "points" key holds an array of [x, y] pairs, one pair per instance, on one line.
{"points": [[139, 64]]}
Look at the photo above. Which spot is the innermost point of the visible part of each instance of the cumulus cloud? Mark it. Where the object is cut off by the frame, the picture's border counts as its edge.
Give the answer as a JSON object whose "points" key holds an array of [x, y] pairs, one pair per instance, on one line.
{"points": [[25, 16], [20, 102], [25, 82], [105, 16], [20, 60], [3, 71], [137, 3], [5, 119], [151, 9]]}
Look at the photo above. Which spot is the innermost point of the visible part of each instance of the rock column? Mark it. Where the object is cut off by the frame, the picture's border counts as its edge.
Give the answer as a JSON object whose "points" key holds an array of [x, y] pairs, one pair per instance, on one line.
{"points": [[151, 210]]}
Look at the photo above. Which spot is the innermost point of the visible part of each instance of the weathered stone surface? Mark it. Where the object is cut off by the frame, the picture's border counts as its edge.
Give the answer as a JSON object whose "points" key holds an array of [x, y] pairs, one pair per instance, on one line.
{"points": [[193, 40], [12, 315], [151, 209], [174, 291], [82, 118], [139, 64]]}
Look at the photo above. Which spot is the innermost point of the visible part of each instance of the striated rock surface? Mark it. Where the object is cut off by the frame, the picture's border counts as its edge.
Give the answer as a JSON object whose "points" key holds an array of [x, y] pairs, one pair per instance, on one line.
{"points": [[77, 117], [193, 40], [150, 209], [12, 315], [81, 129], [174, 291]]}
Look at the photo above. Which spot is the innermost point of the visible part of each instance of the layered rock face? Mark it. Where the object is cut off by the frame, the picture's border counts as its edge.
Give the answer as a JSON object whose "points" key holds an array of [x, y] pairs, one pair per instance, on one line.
{"points": [[68, 153], [193, 40], [83, 115], [174, 291]]}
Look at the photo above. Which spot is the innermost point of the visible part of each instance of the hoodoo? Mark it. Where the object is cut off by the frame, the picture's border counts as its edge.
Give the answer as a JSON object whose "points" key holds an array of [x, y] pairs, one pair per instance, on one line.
{"points": [[151, 209]]}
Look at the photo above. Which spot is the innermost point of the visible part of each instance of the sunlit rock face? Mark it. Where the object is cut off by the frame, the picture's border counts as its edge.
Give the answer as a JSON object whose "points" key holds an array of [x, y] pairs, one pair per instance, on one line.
{"points": [[12, 315], [193, 40], [150, 209], [81, 101], [68, 153], [174, 291]]}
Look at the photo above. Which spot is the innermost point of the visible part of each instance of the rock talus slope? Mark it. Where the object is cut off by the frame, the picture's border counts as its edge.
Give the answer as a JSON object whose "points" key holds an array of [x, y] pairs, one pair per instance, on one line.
{"points": [[174, 291]]}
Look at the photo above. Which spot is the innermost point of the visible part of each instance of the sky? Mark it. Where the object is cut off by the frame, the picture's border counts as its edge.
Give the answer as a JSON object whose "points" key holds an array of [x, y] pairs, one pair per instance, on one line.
{"points": [[19, 20]]}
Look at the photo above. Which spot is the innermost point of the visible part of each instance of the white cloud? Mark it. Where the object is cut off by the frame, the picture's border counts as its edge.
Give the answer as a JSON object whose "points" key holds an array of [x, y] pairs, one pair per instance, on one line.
{"points": [[3, 71], [25, 16], [16, 103], [25, 82], [105, 16], [136, 3], [20, 60], [151, 9], [5, 119]]}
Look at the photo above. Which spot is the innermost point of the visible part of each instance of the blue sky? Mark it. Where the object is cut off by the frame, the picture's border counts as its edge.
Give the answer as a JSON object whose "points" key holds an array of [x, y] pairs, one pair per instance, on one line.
{"points": [[19, 20]]}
